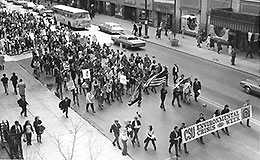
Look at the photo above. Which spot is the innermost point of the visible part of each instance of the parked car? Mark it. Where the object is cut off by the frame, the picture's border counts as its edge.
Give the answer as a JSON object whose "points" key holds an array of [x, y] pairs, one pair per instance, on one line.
{"points": [[28, 5], [251, 86], [38, 7], [19, 2], [111, 27], [128, 41]]}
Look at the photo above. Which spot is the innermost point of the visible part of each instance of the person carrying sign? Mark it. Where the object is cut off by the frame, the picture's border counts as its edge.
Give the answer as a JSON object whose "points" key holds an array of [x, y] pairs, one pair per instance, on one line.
{"points": [[174, 140], [247, 104], [224, 111], [216, 113], [201, 119]]}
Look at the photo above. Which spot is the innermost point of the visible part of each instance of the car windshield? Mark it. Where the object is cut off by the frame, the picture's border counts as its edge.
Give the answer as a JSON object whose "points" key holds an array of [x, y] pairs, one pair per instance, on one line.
{"points": [[116, 25], [82, 15], [132, 38]]}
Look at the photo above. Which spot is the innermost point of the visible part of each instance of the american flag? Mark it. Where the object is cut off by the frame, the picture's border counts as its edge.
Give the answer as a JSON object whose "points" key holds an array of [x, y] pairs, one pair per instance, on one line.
{"points": [[136, 96], [157, 79]]}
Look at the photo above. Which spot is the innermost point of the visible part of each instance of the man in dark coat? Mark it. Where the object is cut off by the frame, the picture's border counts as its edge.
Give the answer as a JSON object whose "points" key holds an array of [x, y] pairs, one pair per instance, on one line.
{"points": [[201, 119], [116, 129], [196, 88], [14, 80], [136, 124], [183, 125], [64, 106], [224, 111], [163, 96], [174, 140], [22, 103]]}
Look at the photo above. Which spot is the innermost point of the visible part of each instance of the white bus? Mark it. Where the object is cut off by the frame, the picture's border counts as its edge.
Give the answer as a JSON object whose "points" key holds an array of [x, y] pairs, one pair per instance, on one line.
{"points": [[73, 17]]}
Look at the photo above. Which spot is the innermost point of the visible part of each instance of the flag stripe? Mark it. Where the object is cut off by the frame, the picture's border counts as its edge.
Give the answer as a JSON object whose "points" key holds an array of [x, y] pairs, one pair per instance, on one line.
{"points": [[156, 80]]}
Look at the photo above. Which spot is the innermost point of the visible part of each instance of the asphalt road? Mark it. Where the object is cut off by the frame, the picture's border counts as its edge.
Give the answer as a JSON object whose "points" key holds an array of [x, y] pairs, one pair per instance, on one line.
{"points": [[219, 84]]}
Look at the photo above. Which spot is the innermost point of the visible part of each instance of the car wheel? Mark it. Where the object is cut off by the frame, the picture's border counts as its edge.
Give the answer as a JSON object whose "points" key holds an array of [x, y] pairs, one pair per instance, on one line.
{"points": [[247, 90]]}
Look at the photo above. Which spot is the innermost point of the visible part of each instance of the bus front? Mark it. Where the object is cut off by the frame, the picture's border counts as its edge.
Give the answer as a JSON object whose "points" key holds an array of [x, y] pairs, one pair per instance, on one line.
{"points": [[82, 20]]}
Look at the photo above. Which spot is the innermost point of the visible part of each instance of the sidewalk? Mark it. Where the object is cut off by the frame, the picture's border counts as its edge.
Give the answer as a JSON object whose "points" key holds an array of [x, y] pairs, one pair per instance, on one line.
{"points": [[59, 135], [188, 46]]}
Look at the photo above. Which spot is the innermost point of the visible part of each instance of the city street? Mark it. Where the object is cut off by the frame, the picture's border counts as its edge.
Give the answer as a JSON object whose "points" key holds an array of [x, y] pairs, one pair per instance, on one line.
{"points": [[220, 85]]}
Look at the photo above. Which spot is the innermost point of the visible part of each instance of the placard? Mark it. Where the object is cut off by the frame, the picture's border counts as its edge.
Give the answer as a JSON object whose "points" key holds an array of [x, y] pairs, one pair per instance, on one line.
{"points": [[86, 73]]}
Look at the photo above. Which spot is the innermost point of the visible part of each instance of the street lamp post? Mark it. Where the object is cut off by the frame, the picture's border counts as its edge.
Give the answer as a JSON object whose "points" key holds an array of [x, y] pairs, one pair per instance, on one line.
{"points": [[174, 41], [146, 20]]}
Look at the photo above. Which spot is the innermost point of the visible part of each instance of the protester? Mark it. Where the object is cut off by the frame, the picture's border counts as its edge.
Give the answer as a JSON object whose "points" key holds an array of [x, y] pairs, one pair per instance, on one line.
{"points": [[28, 131], [115, 128], [136, 124], [64, 106], [201, 119], [174, 140], [89, 101], [196, 89], [22, 103], [124, 138], [5, 80], [14, 80], [21, 88], [39, 128], [150, 137], [247, 104], [175, 71], [176, 93], [224, 111], [216, 113], [183, 125], [163, 96]]}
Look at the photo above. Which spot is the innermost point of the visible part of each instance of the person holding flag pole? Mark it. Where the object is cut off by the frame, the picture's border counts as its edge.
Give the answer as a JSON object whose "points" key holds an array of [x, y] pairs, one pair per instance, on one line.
{"points": [[136, 98]]}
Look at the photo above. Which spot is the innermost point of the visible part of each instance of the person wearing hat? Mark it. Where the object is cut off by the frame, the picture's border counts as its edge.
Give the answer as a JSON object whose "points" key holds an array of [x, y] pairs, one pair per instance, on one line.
{"points": [[115, 128], [224, 111]]}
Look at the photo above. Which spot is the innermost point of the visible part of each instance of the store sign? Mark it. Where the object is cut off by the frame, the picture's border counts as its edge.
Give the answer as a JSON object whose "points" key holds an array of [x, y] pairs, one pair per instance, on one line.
{"points": [[131, 2], [164, 7], [216, 123]]}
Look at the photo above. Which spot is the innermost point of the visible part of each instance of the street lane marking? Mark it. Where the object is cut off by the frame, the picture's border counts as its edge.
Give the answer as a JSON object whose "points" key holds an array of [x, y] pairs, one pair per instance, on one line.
{"points": [[220, 106]]}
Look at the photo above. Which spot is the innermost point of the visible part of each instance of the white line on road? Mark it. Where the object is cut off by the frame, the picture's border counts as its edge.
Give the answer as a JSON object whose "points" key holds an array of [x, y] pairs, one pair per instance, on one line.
{"points": [[220, 106]]}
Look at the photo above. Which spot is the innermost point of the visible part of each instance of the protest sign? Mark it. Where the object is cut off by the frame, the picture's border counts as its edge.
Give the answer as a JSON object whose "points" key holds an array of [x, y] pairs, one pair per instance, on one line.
{"points": [[216, 123], [71, 85], [86, 73], [122, 79]]}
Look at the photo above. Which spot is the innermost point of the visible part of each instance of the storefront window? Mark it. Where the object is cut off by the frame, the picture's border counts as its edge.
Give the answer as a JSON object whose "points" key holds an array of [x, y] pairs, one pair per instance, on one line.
{"points": [[141, 16], [108, 7], [119, 10]]}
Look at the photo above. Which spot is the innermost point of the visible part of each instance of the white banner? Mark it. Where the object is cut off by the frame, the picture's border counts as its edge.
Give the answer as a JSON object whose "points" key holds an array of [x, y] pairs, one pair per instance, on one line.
{"points": [[71, 85], [212, 125], [86, 73], [122, 79]]}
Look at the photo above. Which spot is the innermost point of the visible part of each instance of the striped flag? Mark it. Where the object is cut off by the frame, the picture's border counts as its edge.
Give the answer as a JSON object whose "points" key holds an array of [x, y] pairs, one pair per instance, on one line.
{"points": [[136, 96], [156, 80]]}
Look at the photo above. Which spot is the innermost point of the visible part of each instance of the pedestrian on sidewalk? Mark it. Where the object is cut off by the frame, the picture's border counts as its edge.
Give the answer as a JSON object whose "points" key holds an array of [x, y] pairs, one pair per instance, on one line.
{"points": [[219, 46], [136, 124], [21, 88], [28, 131], [201, 119], [183, 125], [199, 40], [18, 130], [4, 81], [247, 104], [14, 80], [212, 44], [135, 29], [115, 128], [233, 55], [216, 114], [89, 101], [196, 89], [163, 96], [174, 140], [39, 128], [150, 136], [183, 31], [75, 95], [249, 51], [224, 111], [64, 106], [23, 103], [158, 32], [140, 26]]}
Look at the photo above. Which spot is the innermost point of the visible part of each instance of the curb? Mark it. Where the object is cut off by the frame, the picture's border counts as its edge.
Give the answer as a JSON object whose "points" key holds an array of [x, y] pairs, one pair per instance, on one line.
{"points": [[224, 65], [171, 48]]}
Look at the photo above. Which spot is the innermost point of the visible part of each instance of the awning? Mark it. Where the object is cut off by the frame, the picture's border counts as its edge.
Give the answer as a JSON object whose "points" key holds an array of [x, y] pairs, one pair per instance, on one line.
{"points": [[234, 25]]}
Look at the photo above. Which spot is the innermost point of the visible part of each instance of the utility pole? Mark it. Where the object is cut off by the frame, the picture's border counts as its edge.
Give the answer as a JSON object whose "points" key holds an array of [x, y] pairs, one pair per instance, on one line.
{"points": [[174, 19], [146, 20]]}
